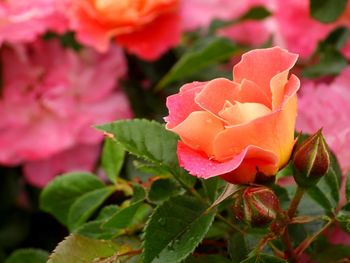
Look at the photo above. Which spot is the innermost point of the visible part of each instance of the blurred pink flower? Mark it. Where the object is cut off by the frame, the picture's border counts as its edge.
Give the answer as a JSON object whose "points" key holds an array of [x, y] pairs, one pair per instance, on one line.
{"points": [[200, 13], [50, 99], [24, 20], [79, 158], [327, 106], [296, 30]]}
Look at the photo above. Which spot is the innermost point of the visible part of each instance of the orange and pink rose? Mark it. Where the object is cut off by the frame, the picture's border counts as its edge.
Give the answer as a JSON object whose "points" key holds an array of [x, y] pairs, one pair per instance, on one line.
{"points": [[146, 28], [236, 129]]}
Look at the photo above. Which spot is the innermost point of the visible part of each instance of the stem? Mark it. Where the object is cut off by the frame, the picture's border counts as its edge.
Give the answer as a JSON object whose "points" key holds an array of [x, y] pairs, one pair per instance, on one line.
{"points": [[275, 250], [295, 202], [289, 251], [223, 219], [307, 242]]}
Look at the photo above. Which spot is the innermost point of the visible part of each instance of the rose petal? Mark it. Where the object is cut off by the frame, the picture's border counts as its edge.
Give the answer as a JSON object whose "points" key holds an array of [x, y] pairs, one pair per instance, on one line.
{"points": [[180, 105], [201, 166], [273, 132], [198, 131], [238, 113], [153, 40], [222, 90], [261, 65], [251, 92], [256, 160]]}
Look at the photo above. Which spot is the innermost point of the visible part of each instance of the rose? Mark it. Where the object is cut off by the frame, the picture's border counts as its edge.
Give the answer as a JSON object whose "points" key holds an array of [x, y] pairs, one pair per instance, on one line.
{"points": [[236, 129], [144, 28]]}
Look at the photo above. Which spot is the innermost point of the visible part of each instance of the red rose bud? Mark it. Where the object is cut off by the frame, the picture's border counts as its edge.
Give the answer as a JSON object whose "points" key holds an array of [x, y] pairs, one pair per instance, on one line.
{"points": [[311, 160], [256, 206]]}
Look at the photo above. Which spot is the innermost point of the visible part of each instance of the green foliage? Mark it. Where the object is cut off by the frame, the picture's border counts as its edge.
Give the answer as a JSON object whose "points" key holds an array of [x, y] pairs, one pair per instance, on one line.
{"points": [[28, 255], [150, 141], [175, 229], [112, 159], [327, 11], [63, 191], [263, 258], [162, 189], [331, 60], [79, 249], [237, 248], [208, 51], [86, 205]]}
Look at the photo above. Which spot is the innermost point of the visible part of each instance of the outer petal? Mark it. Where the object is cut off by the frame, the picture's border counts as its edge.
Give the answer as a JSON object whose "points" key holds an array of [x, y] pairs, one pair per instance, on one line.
{"points": [[154, 39], [180, 105], [198, 131], [201, 166], [274, 132], [261, 65]]}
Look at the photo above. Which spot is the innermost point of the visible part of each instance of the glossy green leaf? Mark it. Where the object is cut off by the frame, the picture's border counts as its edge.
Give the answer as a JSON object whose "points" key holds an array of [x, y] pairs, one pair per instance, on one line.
{"points": [[327, 11], [237, 248], [206, 52], [123, 217], [211, 187], [207, 259], [162, 189], [86, 205], [332, 253], [113, 155], [150, 141], [61, 193], [263, 258], [28, 255], [79, 249], [175, 229]]}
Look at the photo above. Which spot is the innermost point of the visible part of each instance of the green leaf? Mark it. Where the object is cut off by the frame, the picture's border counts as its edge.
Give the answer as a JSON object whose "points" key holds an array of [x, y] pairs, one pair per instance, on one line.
{"points": [[331, 63], [61, 193], [211, 187], [113, 156], [175, 229], [332, 253], [263, 258], [152, 142], [256, 13], [327, 11], [123, 217], [326, 192], [79, 249], [139, 193], [28, 255], [204, 53], [207, 259], [318, 196], [86, 205], [237, 248], [163, 189]]}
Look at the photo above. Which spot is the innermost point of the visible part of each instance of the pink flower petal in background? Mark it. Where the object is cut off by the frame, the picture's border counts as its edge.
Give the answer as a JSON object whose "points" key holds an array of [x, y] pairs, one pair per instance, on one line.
{"points": [[328, 106], [79, 158], [48, 106], [200, 13], [24, 20]]}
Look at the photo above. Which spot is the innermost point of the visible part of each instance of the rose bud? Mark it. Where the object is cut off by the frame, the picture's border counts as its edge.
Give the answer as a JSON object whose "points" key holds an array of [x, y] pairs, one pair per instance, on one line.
{"points": [[311, 160], [240, 128], [256, 206]]}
